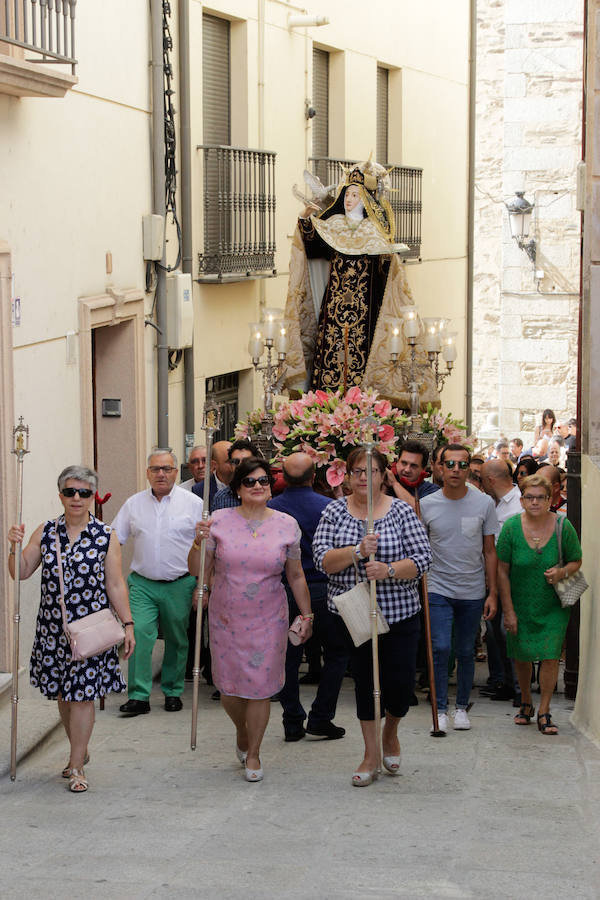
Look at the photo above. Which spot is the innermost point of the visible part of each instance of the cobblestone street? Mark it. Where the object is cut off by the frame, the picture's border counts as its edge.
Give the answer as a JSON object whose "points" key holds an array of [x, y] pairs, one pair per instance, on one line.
{"points": [[497, 812]]}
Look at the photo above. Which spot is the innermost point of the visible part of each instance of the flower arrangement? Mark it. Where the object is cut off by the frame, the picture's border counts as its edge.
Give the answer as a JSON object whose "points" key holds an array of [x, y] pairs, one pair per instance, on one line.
{"points": [[446, 429], [328, 426]]}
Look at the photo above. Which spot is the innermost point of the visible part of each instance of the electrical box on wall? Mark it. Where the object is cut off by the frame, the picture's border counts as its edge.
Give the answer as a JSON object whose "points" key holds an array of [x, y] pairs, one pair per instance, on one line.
{"points": [[153, 236], [180, 310]]}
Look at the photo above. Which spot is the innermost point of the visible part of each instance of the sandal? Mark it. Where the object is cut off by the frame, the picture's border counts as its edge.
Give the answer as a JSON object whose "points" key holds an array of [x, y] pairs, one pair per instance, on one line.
{"points": [[66, 772], [544, 724], [362, 779], [77, 781], [525, 714]]}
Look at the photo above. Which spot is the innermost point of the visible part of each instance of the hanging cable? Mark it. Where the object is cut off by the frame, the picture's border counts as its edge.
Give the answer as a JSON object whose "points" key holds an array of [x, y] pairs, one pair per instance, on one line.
{"points": [[170, 135]]}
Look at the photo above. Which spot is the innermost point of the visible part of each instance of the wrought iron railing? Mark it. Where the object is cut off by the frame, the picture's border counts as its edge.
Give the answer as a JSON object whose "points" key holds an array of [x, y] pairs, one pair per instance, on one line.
{"points": [[239, 211], [44, 27], [405, 197]]}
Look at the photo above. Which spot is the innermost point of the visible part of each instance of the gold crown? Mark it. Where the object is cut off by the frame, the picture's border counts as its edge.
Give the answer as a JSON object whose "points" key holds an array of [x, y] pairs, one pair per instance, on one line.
{"points": [[355, 176]]}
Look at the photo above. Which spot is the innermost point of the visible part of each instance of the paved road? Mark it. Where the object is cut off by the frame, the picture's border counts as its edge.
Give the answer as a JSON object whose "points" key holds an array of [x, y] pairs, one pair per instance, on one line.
{"points": [[497, 812]]}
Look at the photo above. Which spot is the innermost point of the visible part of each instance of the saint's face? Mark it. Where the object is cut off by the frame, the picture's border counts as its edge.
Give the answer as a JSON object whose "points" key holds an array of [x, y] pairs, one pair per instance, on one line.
{"points": [[351, 198]]}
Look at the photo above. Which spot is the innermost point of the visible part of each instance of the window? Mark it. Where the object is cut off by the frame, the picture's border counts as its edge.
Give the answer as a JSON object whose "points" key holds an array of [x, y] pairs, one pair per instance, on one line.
{"points": [[320, 101], [381, 137]]}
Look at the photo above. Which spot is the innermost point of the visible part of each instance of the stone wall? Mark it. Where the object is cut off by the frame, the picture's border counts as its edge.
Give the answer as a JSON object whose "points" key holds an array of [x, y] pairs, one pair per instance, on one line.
{"points": [[528, 138]]}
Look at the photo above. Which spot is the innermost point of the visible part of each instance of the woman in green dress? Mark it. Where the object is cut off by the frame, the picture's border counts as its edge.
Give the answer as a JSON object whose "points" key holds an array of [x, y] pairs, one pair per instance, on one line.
{"points": [[528, 569]]}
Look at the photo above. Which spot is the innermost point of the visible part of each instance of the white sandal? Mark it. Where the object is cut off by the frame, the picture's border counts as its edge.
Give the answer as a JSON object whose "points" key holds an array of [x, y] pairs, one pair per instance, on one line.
{"points": [[241, 755], [362, 779], [392, 764], [254, 774]]}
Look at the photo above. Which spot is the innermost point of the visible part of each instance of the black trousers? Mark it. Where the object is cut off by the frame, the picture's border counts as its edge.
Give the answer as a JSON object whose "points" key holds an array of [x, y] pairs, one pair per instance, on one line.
{"points": [[397, 666]]}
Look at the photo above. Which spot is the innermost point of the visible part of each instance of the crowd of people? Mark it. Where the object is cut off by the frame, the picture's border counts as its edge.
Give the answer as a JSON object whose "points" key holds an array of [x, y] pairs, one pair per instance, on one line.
{"points": [[276, 556]]}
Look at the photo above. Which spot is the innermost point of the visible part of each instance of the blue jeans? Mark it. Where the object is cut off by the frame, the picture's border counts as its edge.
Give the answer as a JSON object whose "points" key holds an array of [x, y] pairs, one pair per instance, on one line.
{"points": [[466, 615]]}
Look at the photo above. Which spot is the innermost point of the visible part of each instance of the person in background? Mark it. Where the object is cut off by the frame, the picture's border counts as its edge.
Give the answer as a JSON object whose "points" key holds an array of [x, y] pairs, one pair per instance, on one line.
{"points": [[528, 568], [553, 475], [555, 453], [197, 466], [474, 477], [571, 438], [227, 498], [516, 449], [300, 501], [527, 465], [91, 563], [159, 520], [546, 428], [411, 474], [221, 472], [502, 451], [437, 469]]}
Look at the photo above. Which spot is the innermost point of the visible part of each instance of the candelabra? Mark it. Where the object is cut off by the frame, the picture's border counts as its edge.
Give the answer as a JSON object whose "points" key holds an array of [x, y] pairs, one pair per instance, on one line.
{"points": [[270, 335]]}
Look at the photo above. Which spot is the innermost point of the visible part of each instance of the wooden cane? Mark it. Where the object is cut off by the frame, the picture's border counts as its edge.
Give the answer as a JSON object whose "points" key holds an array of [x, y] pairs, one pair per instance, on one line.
{"points": [[21, 435], [373, 612], [211, 424], [436, 732]]}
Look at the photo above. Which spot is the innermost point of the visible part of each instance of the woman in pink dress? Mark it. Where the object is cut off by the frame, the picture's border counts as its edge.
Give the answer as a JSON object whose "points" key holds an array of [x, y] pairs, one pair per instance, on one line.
{"points": [[248, 550]]}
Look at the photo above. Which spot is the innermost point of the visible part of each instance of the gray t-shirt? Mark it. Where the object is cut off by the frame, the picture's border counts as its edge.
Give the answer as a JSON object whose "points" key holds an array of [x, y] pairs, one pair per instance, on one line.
{"points": [[456, 529]]}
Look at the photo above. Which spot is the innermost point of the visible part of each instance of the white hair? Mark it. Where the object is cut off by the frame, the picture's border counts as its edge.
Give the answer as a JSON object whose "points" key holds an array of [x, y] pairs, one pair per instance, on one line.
{"points": [[78, 473], [159, 451]]}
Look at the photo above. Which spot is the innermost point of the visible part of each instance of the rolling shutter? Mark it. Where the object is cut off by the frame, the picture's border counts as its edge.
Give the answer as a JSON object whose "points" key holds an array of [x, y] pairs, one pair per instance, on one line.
{"points": [[216, 80], [381, 141], [320, 100]]}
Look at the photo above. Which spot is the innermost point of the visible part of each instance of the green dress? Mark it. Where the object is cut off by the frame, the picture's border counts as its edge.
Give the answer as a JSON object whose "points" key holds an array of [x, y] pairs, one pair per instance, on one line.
{"points": [[542, 621]]}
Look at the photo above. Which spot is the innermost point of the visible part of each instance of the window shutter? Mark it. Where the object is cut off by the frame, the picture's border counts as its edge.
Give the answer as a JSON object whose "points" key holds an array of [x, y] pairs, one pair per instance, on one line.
{"points": [[320, 100], [216, 80], [381, 141]]}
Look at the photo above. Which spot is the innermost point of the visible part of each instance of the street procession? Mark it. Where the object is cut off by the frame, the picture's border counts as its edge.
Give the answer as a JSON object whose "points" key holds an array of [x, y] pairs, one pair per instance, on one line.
{"points": [[298, 444]]}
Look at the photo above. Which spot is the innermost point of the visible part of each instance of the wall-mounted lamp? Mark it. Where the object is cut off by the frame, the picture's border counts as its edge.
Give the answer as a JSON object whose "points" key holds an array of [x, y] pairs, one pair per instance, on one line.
{"points": [[519, 215], [307, 21]]}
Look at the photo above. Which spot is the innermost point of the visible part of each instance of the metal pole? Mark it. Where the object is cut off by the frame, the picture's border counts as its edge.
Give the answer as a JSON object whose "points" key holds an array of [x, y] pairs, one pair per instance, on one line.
{"points": [[159, 204], [211, 424], [437, 732], [21, 436], [373, 611]]}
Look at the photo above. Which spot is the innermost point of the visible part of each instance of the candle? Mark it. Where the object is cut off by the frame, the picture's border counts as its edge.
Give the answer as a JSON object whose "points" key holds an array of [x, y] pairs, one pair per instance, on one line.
{"points": [[432, 340], [271, 323], [282, 340], [411, 325], [395, 340], [449, 350], [255, 343]]}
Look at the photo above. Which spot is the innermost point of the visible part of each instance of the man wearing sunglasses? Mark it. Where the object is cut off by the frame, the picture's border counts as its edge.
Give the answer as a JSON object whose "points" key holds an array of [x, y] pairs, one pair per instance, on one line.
{"points": [[239, 450], [462, 525], [162, 522]]}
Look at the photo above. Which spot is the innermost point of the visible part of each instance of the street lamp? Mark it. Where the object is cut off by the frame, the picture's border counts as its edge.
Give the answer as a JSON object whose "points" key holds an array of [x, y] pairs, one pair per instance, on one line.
{"points": [[519, 216]]}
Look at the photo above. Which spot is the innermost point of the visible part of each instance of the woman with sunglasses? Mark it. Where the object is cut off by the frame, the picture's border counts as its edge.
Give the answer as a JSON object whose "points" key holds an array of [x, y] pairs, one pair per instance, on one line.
{"points": [[91, 564], [528, 569], [248, 549], [526, 466], [341, 549]]}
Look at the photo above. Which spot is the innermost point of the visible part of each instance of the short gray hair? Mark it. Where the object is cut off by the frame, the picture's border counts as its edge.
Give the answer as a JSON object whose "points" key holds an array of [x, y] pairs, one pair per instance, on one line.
{"points": [[159, 451], [78, 473]]}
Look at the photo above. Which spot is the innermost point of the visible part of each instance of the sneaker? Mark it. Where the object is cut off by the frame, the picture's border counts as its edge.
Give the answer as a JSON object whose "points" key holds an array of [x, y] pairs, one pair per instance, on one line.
{"points": [[442, 722], [461, 720]]}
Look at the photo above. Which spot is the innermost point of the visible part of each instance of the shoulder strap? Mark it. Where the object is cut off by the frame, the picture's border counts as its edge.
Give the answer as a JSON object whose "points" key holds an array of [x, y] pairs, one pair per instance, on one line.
{"points": [[60, 578], [558, 527]]}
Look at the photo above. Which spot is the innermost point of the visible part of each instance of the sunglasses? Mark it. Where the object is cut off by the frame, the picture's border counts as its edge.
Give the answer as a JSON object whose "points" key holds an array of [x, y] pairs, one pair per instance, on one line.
{"points": [[249, 481], [84, 493], [452, 463]]}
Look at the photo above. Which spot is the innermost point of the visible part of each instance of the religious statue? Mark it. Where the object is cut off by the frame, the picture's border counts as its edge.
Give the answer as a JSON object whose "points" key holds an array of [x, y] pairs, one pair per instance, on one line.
{"points": [[347, 287]]}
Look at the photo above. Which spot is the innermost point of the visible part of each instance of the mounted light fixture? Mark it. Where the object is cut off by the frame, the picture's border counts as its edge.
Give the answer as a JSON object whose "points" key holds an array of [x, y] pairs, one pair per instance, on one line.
{"points": [[519, 216], [307, 21]]}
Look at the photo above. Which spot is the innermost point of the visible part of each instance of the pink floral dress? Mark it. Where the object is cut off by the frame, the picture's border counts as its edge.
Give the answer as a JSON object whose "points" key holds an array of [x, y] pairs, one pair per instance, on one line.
{"points": [[248, 609]]}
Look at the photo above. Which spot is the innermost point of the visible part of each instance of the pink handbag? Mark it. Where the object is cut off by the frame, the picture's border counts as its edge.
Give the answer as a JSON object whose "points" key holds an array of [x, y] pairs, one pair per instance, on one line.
{"points": [[92, 634]]}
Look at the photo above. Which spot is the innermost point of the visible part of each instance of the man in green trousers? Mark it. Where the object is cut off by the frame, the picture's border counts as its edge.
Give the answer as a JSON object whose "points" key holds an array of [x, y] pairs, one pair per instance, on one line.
{"points": [[161, 521]]}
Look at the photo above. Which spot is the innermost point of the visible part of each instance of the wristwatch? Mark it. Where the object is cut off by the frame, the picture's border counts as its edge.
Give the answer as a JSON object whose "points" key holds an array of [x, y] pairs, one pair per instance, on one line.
{"points": [[391, 572], [357, 552]]}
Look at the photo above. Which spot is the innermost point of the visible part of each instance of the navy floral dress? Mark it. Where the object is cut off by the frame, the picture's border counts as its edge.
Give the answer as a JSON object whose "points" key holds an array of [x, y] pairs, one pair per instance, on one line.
{"points": [[51, 667]]}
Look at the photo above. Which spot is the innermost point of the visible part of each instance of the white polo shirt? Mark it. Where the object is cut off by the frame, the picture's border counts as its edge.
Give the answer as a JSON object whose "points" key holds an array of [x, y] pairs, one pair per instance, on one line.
{"points": [[509, 505], [162, 531]]}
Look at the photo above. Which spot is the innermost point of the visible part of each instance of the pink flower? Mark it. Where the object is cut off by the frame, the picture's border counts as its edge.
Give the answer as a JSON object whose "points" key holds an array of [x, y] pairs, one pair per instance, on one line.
{"points": [[383, 408], [281, 432], [386, 432], [354, 395], [296, 409], [322, 397], [336, 473], [307, 448]]}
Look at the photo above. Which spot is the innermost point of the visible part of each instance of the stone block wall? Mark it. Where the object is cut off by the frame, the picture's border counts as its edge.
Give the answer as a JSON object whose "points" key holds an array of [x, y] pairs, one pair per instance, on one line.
{"points": [[528, 138]]}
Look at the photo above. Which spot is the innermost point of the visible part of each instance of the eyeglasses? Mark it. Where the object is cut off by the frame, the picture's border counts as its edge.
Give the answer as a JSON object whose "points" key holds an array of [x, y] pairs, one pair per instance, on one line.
{"points": [[535, 498], [249, 481], [234, 462], [84, 493], [166, 469], [358, 472], [461, 463]]}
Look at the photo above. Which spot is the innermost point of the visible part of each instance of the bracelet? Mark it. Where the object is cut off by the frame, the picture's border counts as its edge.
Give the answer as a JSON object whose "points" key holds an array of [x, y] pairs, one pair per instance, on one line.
{"points": [[310, 617], [125, 624], [11, 552], [196, 546]]}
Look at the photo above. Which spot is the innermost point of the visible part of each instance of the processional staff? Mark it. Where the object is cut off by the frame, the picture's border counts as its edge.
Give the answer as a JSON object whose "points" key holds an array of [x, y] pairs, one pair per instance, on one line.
{"points": [[211, 422], [368, 443], [21, 447]]}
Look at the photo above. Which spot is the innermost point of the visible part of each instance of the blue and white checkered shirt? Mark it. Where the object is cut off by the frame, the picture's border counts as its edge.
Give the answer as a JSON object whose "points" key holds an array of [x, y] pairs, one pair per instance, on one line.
{"points": [[225, 499], [401, 536]]}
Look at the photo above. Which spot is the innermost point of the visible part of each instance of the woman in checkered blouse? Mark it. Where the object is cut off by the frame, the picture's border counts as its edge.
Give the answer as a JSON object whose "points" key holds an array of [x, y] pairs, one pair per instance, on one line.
{"points": [[341, 548]]}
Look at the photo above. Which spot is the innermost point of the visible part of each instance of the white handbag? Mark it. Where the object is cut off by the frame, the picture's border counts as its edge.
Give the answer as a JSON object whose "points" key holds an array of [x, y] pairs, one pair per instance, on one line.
{"points": [[354, 606]]}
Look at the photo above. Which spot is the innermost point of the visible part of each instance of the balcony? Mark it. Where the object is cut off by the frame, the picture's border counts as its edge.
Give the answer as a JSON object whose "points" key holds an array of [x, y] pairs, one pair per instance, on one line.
{"points": [[46, 30], [405, 198], [239, 214]]}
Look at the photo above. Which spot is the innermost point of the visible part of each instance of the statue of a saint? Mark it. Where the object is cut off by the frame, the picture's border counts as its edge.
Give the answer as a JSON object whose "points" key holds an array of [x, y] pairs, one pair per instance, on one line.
{"points": [[346, 288]]}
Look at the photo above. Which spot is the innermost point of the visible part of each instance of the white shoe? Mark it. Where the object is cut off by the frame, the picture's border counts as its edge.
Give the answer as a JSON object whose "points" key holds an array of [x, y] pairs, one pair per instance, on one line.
{"points": [[442, 722], [254, 774], [461, 720]]}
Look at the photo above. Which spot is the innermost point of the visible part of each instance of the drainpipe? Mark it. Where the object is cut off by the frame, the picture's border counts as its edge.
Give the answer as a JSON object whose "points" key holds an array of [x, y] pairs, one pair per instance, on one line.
{"points": [[471, 213], [185, 162], [262, 293], [159, 208]]}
